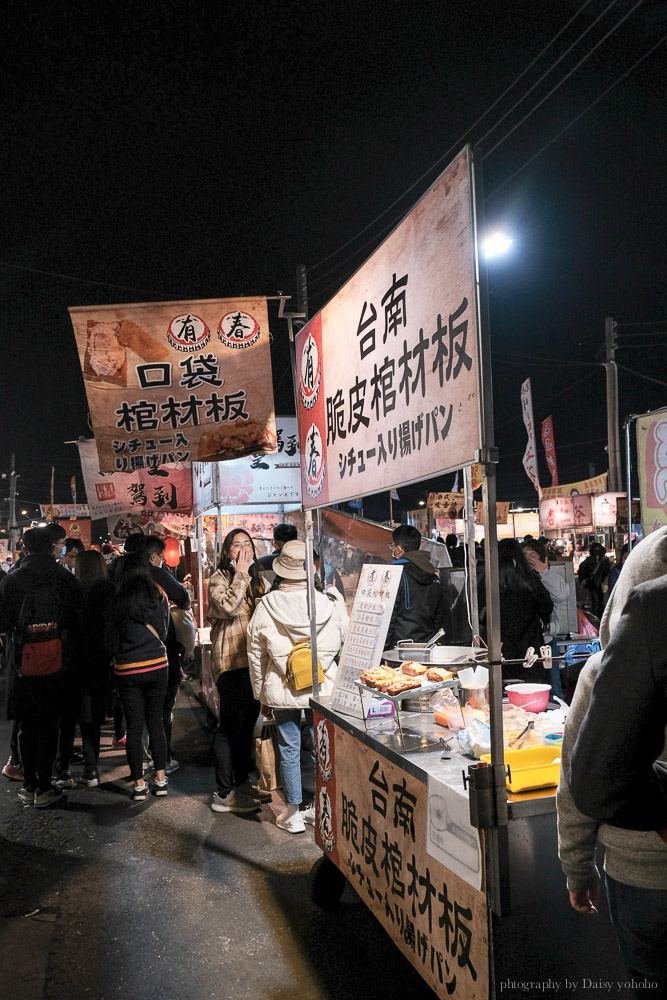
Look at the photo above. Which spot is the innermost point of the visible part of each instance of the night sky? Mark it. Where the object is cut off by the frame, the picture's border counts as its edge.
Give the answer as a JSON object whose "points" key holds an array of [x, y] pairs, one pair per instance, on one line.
{"points": [[157, 151]]}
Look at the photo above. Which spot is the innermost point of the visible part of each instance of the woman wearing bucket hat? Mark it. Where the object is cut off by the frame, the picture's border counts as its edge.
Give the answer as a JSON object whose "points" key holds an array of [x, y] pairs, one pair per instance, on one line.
{"points": [[280, 621], [233, 591]]}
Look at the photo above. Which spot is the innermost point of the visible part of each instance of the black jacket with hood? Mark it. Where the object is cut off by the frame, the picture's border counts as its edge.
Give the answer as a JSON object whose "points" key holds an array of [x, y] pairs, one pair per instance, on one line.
{"points": [[420, 608]]}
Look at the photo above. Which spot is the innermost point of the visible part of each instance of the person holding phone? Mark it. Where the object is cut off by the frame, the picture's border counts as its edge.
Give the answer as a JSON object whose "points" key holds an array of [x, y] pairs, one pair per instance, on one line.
{"points": [[233, 592]]}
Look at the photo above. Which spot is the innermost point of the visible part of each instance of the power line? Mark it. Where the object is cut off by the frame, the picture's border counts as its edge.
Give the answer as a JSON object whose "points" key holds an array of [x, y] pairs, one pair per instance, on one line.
{"points": [[543, 402], [639, 375], [566, 77], [575, 120], [73, 277], [545, 361], [454, 144], [545, 75]]}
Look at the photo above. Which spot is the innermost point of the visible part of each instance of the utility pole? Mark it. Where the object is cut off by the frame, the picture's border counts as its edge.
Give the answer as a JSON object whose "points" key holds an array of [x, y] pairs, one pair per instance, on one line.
{"points": [[13, 526], [613, 435]]}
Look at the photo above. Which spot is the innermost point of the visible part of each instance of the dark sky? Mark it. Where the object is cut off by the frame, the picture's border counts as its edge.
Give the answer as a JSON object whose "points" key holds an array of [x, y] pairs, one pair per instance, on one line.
{"points": [[176, 150]]}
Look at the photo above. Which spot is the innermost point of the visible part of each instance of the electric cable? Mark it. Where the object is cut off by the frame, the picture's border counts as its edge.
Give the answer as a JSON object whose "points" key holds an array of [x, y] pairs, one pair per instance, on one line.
{"points": [[544, 402], [555, 138], [648, 378], [455, 144]]}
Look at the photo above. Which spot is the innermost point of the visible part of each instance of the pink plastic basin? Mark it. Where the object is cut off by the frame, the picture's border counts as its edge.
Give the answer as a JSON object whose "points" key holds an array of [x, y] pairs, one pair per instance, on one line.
{"points": [[532, 697]]}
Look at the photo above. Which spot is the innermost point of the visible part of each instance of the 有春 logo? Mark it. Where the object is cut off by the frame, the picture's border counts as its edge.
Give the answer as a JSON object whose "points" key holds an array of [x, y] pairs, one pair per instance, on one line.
{"points": [[238, 329], [188, 333], [310, 374], [315, 462]]}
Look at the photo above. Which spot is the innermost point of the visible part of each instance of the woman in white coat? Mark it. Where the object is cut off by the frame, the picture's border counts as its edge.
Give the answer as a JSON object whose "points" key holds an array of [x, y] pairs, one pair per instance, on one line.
{"points": [[279, 622]]}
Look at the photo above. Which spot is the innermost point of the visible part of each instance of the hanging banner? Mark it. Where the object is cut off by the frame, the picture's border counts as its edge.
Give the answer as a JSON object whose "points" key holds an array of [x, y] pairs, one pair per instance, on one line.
{"points": [[165, 488], [262, 479], [550, 449], [121, 527], [172, 382], [388, 370], [566, 512], [652, 466], [598, 484], [204, 487], [530, 454], [51, 511], [475, 476], [449, 505], [502, 512]]}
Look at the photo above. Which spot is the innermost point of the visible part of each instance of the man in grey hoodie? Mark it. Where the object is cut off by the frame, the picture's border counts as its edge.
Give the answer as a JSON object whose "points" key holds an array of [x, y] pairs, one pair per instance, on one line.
{"points": [[613, 780]]}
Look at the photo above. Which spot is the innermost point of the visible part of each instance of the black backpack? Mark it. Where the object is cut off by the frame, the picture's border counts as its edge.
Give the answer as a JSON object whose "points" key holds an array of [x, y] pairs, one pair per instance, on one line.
{"points": [[39, 640]]}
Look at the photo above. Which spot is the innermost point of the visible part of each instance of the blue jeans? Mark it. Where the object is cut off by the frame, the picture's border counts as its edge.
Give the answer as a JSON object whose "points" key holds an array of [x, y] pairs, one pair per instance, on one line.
{"points": [[639, 917], [288, 724]]}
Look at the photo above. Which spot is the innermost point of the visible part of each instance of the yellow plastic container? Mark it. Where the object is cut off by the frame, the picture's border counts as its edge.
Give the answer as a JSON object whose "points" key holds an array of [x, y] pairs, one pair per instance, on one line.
{"points": [[531, 767]]}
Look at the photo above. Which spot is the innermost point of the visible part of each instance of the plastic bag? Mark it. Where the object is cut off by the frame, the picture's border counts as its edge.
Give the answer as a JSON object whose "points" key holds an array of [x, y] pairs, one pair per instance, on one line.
{"points": [[475, 739], [584, 626], [447, 710]]}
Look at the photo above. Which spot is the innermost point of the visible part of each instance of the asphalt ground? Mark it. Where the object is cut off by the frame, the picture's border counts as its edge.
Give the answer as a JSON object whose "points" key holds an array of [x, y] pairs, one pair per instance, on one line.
{"points": [[103, 898]]}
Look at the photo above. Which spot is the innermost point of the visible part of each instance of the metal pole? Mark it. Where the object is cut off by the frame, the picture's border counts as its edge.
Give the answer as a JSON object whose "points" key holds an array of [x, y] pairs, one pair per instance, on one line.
{"points": [[628, 487], [470, 542], [391, 509], [310, 591], [496, 839], [613, 438], [13, 526]]}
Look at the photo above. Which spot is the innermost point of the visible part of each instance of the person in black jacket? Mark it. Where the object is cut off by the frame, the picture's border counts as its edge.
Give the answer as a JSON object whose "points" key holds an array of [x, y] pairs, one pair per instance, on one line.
{"points": [[420, 608], [139, 627], [524, 606], [38, 701], [152, 548]]}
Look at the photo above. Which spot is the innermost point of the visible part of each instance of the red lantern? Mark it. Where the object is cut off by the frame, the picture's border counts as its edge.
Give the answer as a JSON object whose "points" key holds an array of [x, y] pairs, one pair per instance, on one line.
{"points": [[172, 552]]}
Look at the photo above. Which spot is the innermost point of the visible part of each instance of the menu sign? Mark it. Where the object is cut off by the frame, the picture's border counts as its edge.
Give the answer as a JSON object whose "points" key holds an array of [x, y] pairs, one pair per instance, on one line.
{"points": [[388, 370], [175, 382], [366, 635], [372, 822]]}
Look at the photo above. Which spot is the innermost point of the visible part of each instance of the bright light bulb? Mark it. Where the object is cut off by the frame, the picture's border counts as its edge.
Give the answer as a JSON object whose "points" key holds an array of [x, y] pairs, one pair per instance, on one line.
{"points": [[496, 243]]}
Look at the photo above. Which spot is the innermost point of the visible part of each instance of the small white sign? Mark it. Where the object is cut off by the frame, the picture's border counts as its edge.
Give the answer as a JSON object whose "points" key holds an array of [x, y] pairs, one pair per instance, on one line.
{"points": [[366, 636], [450, 837]]}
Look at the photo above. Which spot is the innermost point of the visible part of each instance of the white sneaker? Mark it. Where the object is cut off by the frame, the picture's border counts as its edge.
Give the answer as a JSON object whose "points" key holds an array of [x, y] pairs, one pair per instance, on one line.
{"points": [[171, 766], [235, 801], [308, 815], [291, 821]]}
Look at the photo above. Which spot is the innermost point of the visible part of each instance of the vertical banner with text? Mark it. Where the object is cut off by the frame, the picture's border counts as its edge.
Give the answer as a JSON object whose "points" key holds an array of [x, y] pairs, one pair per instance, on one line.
{"points": [[550, 448], [652, 466], [530, 454]]}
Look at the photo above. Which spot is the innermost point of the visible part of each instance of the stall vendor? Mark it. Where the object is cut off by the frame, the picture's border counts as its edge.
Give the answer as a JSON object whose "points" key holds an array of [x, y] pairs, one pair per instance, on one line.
{"points": [[420, 608]]}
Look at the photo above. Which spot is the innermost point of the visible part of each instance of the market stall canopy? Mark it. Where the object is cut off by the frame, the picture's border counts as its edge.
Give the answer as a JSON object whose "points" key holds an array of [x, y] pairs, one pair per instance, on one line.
{"points": [[177, 381]]}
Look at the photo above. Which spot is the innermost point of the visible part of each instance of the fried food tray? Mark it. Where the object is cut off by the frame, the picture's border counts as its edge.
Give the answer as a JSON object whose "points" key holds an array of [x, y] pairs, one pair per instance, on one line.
{"points": [[427, 687]]}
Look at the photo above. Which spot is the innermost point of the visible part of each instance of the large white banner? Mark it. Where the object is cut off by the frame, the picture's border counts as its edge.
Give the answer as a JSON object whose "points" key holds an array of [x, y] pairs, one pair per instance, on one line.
{"points": [[388, 370], [166, 488], [530, 454]]}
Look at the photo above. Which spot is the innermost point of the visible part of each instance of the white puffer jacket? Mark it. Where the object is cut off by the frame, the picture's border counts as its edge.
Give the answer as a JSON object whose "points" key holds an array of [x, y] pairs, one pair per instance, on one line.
{"points": [[281, 620]]}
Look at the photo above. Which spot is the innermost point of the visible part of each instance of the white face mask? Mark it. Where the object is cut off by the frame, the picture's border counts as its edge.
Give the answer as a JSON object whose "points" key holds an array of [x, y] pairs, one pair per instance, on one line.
{"points": [[63, 551]]}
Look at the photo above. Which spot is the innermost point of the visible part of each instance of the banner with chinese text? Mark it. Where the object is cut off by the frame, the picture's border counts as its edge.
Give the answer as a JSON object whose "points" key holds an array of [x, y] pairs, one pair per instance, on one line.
{"points": [[550, 448], [530, 454], [598, 484], [49, 511], [165, 488], [566, 512], [388, 370], [265, 479], [652, 466], [449, 505], [372, 821], [175, 382]]}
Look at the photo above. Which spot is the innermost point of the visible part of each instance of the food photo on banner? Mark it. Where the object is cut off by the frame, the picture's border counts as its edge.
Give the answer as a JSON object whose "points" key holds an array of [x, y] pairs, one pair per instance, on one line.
{"points": [[388, 370], [163, 488], [171, 382]]}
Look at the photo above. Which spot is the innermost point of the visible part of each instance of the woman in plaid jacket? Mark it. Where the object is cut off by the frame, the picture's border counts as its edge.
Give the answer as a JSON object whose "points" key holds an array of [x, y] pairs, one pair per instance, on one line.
{"points": [[233, 591]]}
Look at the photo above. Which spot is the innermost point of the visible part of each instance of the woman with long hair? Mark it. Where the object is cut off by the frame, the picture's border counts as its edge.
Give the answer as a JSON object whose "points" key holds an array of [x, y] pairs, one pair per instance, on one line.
{"points": [[233, 591], [98, 591], [524, 606], [140, 623]]}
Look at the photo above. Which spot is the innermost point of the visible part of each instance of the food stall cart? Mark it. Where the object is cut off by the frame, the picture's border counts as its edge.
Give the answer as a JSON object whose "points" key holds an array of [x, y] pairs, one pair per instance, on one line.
{"points": [[462, 874]]}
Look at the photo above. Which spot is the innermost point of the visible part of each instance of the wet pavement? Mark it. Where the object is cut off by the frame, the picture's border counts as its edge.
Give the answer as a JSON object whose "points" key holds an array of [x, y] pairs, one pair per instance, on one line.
{"points": [[101, 897]]}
